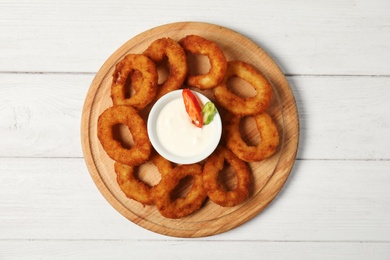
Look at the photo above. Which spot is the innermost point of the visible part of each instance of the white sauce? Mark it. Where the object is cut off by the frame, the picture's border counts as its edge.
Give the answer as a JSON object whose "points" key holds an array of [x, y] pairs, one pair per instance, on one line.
{"points": [[177, 134]]}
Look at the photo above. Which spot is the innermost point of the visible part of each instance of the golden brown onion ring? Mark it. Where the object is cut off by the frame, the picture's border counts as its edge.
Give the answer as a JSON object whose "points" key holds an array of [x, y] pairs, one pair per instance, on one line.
{"points": [[124, 69], [213, 167], [239, 105], [163, 165], [136, 189], [140, 151], [132, 187], [180, 207], [269, 138], [166, 47], [198, 45]]}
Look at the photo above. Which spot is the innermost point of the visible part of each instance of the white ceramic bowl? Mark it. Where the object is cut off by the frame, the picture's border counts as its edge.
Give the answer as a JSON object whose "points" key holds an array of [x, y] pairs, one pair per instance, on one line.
{"points": [[174, 157]]}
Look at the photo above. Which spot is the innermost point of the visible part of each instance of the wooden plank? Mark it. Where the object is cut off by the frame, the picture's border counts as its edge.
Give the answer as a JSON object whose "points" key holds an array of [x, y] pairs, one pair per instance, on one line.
{"points": [[343, 117], [41, 115], [186, 250], [312, 38], [51, 199]]}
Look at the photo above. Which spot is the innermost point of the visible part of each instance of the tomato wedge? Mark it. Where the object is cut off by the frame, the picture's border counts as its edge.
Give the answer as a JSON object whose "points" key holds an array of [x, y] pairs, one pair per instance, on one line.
{"points": [[193, 107]]}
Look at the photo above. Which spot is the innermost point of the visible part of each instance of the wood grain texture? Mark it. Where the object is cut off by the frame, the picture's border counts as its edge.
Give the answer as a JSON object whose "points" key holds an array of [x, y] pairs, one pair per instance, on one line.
{"points": [[40, 114], [54, 199], [332, 37], [269, 175], [179, 250]]}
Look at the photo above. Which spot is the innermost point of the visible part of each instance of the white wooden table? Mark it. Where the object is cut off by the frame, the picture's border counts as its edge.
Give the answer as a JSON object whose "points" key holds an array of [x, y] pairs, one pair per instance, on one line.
{"points": [[336, 202]]}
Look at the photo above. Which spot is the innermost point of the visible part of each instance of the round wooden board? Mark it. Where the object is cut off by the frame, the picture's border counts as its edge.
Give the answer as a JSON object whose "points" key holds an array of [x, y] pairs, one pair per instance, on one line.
{"points": [[269, 175]]}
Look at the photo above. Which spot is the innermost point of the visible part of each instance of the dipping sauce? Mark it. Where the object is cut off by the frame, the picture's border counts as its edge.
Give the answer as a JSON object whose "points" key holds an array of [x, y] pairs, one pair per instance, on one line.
{"points": [[175, 137], [178, 134]]}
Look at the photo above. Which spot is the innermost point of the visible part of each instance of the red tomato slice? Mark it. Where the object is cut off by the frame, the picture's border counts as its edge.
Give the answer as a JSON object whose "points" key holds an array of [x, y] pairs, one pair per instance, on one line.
{"points": [[193, 107]]}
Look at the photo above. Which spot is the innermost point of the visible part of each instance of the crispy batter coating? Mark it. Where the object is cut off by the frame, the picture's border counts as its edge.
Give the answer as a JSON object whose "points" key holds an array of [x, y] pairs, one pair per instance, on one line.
{"points": [[134, 188], [199, 45], [244, 106], [214, 166], [163, 165], [269, 138], [183, 206], [145, 92], [140, 151], [166, 47]]}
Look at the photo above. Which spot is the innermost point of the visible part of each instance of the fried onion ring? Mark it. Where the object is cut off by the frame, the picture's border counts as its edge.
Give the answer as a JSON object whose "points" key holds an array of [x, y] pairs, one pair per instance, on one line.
{"points": [[187, 205], [269, 138], [166, 47], [140, 151], [239, 105], [136, 189], [132, 187], [197, 45], [213, 167], [163, 165], [124, 69]]}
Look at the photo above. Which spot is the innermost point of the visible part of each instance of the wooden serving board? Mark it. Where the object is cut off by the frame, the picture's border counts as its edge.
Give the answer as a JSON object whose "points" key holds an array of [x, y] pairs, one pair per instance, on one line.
{"points": [[269, 175]]}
